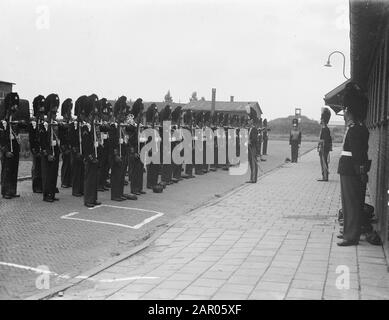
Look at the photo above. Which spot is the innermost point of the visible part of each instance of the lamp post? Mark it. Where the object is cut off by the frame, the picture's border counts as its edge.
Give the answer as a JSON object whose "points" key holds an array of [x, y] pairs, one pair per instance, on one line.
{"points": [[328, 64]]}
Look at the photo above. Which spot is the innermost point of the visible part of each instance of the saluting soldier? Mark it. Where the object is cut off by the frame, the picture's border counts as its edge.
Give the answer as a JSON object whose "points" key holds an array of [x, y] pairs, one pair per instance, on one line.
{"points": [[353, 164], [49, 143], [89, 142], [33, 134], [9, 147], [64, 137], [295, 140], [325, 144], [77, 160]]}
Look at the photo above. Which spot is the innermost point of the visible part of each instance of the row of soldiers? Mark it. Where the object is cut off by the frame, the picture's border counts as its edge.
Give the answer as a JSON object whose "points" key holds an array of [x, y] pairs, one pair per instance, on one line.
{"points": [[101, 146]]}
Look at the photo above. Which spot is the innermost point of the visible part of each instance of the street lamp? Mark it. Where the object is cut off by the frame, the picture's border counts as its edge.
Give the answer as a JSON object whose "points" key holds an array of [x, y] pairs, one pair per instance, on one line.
{"points": [[328, 64]]}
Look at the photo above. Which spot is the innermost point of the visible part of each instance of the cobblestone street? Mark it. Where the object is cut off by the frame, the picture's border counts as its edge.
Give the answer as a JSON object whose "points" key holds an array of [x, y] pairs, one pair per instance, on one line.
{"points": [[272, 240]]}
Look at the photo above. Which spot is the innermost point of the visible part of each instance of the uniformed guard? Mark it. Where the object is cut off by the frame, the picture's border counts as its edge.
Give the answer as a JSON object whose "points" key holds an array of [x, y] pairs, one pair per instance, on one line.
{"points": [[166, 168], [105, 114], [206, 125], [65, 146], [33, 134], [252, 146], [188, 124], [153, 168], [49, 143], [325, 144], [118, 151], [353, 164], [214, 126], [199, 121], [77, 160], [226, 126], [265, 137], [176, 122], [295, 140], [89, 143], [136, 143], [9, 147]]}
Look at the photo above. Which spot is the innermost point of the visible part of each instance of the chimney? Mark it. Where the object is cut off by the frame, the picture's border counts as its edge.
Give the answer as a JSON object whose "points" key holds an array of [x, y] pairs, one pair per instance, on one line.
{"points": [[231, 98], [213, 105]]}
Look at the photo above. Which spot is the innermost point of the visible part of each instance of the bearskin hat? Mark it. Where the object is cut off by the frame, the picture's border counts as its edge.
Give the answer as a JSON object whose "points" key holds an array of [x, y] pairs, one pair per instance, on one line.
{"points": [[355, 101], [188, 117], [151, 112], [295, 121], [265, 122], [165, 114], [37, 104], [199, 116], [137, 107], [120, 106], [214, 118], [253, 114], [325, 115], [260, 121], [103, 106], [220, 118], [92, 106], [52, 101], [79, 105], [66, 107], [176, 114]]}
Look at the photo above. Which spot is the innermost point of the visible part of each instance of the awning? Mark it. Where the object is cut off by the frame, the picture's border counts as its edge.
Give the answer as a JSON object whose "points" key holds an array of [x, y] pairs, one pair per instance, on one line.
{"points": [[334, 98]]}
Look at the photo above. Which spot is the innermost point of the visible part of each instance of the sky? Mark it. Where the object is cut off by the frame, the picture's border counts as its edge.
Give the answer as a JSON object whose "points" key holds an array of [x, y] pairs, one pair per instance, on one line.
{"points": [[270, 51]]}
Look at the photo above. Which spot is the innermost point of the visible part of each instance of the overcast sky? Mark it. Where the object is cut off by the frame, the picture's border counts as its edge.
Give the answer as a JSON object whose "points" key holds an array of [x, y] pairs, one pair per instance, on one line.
{"points": [[270, 51]]}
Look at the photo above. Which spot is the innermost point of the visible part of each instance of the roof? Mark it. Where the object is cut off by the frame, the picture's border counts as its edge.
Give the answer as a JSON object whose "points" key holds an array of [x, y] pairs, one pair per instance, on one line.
{"points": [[6, 82], [224, 106], [367, 22], [334, 98]]}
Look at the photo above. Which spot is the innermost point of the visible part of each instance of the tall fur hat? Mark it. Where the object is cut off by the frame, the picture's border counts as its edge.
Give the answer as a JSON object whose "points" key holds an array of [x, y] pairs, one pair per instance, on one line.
{"points": [[325, 115], [79, 105], [66, 107], [188, 117], [355, 101], [38, 103], [52, 100], [220, 118], [120, 106], [151, 112], [137, 107], [265, 122], [214, 118], [103, 107], [165, 114], [199, 116], [295, 121], [10, 100], [92, 106], [176, 114]]}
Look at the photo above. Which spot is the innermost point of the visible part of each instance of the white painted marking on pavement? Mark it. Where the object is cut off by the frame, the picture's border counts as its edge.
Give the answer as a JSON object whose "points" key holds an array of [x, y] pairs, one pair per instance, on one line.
{"points": [[158, 214], [19, 266]]}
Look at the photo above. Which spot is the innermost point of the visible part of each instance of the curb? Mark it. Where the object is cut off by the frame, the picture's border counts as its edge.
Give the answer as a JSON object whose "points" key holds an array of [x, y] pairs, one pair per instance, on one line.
{"points": [[92, 272]]}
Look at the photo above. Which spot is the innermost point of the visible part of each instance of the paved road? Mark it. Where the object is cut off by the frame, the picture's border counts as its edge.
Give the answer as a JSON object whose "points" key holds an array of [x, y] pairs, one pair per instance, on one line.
{"points": [[69, 239], [272, 240]]}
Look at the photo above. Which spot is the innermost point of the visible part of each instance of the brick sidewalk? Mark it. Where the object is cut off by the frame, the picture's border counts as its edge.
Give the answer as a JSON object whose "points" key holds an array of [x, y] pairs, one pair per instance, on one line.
{"points": [[272, 240]]}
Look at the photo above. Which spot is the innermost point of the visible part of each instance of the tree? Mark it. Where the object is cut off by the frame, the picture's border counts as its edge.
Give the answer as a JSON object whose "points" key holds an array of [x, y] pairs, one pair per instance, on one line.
{"points": [[202, 99], [168, 97], [193, 97]]}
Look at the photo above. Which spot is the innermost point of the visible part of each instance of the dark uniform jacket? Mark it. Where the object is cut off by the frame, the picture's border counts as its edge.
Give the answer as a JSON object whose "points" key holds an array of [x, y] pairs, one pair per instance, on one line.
{"points": [[355, 141], [5, 141], [325, 135]]}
